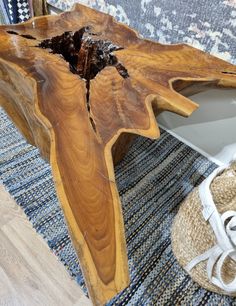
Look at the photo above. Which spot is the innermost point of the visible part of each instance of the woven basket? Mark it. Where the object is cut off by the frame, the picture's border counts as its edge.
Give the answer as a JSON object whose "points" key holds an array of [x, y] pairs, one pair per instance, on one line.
{"points": [[192, 235]]}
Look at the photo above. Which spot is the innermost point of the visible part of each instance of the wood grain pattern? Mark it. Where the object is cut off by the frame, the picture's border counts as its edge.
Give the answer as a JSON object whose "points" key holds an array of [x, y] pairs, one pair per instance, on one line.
{"points": [[23, 253], [50, 105], [39, 7]]}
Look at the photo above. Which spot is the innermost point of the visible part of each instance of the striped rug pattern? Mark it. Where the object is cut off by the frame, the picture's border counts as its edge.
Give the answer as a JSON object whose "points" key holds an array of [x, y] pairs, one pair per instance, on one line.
{"points": [[153, 179]]}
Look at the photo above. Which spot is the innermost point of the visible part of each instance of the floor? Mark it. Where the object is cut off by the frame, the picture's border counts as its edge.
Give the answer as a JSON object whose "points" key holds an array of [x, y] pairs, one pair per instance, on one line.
{"points": [[29, 273]]}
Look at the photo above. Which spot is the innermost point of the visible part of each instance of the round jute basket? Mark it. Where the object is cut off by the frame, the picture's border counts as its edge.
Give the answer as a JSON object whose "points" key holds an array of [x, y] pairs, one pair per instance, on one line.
{"points": [[193, 234]]}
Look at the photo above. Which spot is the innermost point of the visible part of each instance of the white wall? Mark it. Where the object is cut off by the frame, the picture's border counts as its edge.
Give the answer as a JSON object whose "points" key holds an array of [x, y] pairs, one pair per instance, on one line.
{"points": [[212, 128]]}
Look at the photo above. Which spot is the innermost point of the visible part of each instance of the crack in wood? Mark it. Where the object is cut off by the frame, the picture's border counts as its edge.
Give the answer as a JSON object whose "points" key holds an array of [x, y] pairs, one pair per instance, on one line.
{"points": [[22, 35], [86, 56], [228, 72]]}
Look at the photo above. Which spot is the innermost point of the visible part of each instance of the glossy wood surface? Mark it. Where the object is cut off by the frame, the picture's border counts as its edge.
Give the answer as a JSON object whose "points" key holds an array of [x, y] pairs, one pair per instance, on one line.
{"points": [[48, 103]]}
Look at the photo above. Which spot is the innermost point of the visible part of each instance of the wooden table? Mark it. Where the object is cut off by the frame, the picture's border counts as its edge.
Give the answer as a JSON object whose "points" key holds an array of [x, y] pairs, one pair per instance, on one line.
{"points": [[79, 86]]}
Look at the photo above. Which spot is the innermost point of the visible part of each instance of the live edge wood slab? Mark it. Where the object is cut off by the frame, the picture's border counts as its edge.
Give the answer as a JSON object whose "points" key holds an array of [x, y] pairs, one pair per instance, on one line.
{"points": [[78, 86]]}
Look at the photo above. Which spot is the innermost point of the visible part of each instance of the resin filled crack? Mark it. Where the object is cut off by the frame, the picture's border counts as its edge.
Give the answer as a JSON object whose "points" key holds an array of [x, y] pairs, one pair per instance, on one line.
{"points": [[86, 56]]}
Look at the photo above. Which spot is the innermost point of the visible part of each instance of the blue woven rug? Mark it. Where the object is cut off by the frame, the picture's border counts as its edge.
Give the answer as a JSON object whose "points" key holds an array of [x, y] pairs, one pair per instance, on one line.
{"points": [[152, 180]]}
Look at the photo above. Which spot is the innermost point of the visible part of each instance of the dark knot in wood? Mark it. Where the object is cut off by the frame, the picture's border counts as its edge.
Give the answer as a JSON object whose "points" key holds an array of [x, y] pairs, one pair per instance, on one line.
{"points": [[87, 56]]}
